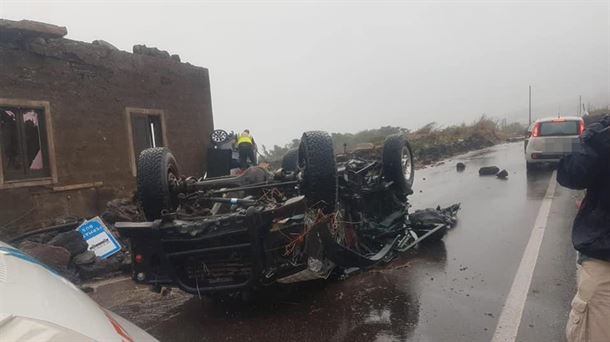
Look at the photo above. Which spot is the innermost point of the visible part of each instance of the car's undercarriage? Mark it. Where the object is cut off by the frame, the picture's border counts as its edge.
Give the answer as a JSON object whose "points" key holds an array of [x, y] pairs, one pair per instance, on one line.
{"points": [[319, 215]]}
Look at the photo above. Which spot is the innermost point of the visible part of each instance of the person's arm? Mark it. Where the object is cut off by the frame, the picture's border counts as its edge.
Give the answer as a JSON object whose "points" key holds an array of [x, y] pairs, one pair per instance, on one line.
{"points": [[579, 170], [582, 170]]}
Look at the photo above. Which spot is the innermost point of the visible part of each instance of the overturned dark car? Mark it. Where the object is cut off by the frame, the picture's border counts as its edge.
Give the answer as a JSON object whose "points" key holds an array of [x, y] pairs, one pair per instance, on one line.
{"points": [[316, 217]]}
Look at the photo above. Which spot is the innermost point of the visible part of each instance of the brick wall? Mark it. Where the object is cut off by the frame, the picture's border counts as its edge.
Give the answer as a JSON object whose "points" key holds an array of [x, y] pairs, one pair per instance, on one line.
{"points": [[88, 88]]}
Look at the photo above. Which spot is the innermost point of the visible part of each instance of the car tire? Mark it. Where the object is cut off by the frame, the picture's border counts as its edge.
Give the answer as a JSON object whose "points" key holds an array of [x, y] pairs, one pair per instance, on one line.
{"points": [[530, 166], [398, 164], [157, 168], [316, 160], [219, 137], [290, 161]]}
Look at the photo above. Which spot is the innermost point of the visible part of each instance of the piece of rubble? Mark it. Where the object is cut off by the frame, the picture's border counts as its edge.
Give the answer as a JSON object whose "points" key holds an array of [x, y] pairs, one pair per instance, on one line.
{"points": [[29, 28], [150, 51], [71, 240], [431, 216], [489, 171], [84, 258], [101, 267], [502, 174], [121, 209], [460, 167], [54, 256], [104, 44]]}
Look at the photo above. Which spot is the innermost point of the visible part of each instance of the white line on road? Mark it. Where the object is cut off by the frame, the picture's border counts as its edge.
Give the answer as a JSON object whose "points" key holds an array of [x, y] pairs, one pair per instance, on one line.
{"points": [[510, 318]]}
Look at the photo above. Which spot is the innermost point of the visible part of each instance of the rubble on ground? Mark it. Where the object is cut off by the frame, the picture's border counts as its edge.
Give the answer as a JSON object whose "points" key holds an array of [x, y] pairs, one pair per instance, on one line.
{"points": [[121, 209], [71, 240], [489, 171], [54, 256], [502, 174], [66, 252], [493, 171], [436, 215]]}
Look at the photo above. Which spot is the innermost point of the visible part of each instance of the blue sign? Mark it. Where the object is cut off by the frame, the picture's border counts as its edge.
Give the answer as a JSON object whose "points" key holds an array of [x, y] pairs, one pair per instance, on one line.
{"points": [[99, 238]]}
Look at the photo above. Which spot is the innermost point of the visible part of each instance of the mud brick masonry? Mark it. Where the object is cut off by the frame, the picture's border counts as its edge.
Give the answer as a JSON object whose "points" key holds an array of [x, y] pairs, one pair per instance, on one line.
{"points": [[74, 117]]}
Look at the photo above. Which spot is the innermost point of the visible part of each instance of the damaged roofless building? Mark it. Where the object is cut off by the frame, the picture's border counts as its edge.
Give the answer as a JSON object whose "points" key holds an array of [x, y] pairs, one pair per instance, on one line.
{"points": [[74, 116]]}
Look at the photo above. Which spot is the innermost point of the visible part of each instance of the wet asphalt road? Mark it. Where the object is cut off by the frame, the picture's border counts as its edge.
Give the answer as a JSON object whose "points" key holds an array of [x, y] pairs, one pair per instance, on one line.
{"points": [[453, 290]]}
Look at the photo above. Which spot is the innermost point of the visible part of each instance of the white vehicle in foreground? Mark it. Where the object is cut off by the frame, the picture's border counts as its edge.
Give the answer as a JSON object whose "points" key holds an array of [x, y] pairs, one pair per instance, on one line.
{"points": [[36, 304], [553, 138]]}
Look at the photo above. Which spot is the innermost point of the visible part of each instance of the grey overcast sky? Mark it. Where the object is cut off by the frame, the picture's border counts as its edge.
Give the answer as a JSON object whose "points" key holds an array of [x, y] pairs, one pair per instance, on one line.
{"points": [[283, 67]]}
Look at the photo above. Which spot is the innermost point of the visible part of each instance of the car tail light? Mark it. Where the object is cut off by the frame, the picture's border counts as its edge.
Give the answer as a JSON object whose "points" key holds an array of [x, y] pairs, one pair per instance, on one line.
{"points": [[581, 127], [536, 130], [138, 258]]}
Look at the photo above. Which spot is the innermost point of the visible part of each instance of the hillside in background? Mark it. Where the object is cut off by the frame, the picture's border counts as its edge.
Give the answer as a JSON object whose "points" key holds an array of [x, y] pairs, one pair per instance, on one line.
{"points": [[429, 143]]}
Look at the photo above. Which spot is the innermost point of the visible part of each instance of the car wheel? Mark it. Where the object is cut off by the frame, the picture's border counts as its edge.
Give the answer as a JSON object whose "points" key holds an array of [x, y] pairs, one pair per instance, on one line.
{"points": [[398, 164], [530, 166], [219, 136], [290, 161], [316, 160], [157, 171]]}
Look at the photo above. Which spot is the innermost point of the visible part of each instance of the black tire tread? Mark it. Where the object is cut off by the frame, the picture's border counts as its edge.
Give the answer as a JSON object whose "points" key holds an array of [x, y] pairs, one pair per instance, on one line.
{"points": [[317, 160], [392, 163], [152, 186]]}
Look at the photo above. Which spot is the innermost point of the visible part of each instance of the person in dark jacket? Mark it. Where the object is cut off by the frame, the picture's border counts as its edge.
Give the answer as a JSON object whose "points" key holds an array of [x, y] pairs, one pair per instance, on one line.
{"points": [[589, 169]]}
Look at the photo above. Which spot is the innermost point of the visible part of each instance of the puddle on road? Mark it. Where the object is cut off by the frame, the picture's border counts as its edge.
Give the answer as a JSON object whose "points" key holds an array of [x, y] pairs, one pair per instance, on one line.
{"points": [[381, 303]]}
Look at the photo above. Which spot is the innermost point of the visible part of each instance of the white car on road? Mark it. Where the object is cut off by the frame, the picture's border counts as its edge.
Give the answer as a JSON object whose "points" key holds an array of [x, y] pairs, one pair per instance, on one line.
{"points": [[552, 138], [36, 304]]}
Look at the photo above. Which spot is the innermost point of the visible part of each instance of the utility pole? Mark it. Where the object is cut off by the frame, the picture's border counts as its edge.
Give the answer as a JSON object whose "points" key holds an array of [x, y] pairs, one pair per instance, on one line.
{"points": [[530, 107], [579, 105]]}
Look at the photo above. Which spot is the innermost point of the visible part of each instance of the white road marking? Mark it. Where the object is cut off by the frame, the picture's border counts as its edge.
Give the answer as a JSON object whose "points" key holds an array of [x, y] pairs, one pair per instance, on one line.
{"points": [[510, 318]]}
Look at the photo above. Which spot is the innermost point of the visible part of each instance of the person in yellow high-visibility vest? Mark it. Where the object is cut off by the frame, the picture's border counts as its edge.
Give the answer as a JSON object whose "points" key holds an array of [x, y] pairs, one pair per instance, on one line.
{"points": [[246, 147]]}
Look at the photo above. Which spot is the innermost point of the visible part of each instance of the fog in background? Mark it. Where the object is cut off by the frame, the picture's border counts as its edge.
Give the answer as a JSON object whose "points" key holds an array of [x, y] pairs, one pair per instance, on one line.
{"points": [[281, 68]]}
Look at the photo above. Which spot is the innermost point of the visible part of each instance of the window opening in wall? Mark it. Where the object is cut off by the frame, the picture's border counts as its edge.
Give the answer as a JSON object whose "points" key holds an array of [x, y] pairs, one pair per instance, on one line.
{"points": [[23, 143]]}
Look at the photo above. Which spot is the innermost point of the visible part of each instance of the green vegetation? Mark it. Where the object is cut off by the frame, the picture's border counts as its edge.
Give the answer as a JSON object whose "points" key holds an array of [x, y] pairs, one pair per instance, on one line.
{"points": [[430, 142]]}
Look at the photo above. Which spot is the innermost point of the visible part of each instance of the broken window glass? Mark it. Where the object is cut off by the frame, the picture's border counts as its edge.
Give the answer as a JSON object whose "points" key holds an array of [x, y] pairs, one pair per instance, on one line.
{"points": [[24, 144]]}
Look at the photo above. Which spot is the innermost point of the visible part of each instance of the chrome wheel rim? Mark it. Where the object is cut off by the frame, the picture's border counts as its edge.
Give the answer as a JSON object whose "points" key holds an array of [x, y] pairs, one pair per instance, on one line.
{"points": [[407, 163]]}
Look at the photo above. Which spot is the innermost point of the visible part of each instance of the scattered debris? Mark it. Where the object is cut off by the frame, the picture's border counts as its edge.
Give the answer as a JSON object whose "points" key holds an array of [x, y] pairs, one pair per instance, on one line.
{"points": [[54, 256], [502, 174], [489, 171], [433, 216], [71, 240], [122, 209], [102, 267], [460, 167], [332, 214], [84, 258], [67, 251]]}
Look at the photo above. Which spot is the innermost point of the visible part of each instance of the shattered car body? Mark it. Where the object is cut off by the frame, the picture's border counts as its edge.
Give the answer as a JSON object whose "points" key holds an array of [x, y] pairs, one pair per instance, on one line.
{"points": [[319, 215]]}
